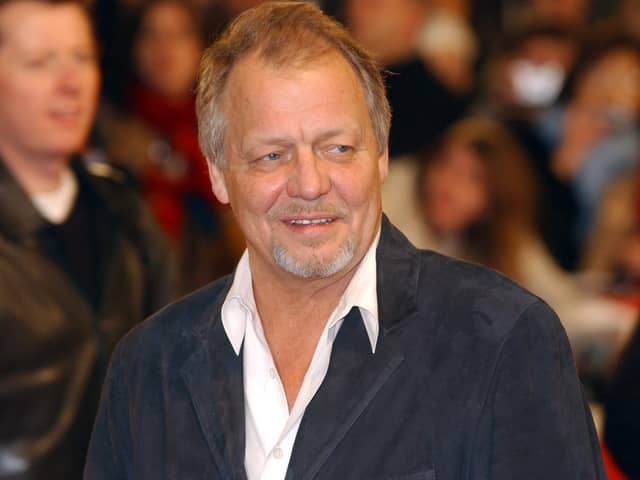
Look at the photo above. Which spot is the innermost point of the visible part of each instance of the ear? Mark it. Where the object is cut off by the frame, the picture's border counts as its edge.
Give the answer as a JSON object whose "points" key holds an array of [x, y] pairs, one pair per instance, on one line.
{"points": [[383, 164], [218, 185]]}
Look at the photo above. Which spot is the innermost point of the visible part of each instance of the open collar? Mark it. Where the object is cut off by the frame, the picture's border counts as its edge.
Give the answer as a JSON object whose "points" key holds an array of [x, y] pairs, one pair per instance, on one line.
{"points": [[239, 306]]}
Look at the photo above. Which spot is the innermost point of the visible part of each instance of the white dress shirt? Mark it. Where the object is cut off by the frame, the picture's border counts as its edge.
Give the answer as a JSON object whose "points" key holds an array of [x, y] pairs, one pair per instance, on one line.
{"points": [[270, 428]]}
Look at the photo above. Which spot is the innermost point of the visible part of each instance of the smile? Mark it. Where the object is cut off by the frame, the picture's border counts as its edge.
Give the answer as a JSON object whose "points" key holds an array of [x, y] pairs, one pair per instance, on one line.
{"points": [[315, 221]]}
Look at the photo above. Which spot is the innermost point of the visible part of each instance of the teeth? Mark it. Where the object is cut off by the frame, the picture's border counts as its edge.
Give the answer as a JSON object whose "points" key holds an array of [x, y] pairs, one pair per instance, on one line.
{"points": [[315, 221]]}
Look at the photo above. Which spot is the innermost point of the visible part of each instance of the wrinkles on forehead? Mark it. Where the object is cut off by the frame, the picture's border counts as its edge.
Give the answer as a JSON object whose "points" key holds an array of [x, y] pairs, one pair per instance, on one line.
{"points": [[261, 115]]}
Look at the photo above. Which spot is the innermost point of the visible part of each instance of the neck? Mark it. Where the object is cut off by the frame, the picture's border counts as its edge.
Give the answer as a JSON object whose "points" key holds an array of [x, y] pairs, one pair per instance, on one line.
{"points": [[285, 303], [36, 175], [294, 313]]}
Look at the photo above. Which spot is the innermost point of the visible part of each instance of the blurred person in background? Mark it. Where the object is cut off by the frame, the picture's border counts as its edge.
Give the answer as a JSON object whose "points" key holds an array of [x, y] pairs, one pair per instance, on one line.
{"points": [[600, 141], [153, 134], [622, 410], [524, 85], [80, 260], [477, 197], [570, 13], [430, 54], [611, 256], [525, 81], [628, 16]]}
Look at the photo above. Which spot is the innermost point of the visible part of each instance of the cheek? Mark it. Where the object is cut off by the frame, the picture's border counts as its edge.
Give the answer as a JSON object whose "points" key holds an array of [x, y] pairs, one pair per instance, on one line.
{"points": [[357, 186], [476, 201], [254, 196], [92, 84], [149, 62], [27, 100], [190, 55]]}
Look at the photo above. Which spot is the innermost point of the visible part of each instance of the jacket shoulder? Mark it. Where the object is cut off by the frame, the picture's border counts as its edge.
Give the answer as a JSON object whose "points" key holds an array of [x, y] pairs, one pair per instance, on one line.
{"points": [[473, 297], [176, 327]]}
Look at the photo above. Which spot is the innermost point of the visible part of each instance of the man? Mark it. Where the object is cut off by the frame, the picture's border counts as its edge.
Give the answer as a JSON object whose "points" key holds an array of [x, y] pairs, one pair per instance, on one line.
{"points": [[337, 350], [80, 261]]}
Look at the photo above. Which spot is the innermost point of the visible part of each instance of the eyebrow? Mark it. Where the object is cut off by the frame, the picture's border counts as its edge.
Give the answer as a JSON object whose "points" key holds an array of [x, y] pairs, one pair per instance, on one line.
{"points": [[346, 130], [249, 146]]}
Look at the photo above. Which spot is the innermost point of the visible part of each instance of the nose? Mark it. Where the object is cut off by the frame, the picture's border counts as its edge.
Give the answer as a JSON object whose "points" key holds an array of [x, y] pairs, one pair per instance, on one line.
{"points": [[309, 179], [69, 78]]}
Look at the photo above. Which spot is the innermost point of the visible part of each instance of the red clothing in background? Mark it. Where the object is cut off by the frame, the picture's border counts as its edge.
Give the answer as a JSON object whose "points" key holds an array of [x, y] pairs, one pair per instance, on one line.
{"points": [[176, 170]]}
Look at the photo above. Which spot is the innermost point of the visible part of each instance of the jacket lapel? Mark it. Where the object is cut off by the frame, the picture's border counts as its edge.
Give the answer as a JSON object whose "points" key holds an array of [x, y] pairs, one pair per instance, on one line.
{"points": [[214, 379], [355, 375]]}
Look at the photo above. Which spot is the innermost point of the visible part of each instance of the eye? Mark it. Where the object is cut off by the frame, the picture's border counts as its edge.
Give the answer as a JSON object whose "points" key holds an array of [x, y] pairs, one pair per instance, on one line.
{"points": [[271, 156], [340, 149], [85, 57], [37, 62]]}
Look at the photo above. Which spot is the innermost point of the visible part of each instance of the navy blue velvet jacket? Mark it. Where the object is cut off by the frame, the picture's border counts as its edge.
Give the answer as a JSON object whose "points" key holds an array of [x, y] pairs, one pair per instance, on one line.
{"points": [[472, 378]]}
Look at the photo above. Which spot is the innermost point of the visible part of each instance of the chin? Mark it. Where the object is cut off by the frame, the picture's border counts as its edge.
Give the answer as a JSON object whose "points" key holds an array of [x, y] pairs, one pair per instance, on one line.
{"points": [[314, 265]]}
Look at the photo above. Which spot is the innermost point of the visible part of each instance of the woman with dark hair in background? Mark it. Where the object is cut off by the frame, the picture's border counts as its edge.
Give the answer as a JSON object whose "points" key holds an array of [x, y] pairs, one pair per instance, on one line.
{"points": [[478, 198], [153, 134]]}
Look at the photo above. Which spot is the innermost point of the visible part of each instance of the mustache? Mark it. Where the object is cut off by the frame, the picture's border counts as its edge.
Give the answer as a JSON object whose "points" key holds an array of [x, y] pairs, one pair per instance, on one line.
{"points": [[293, 209]]}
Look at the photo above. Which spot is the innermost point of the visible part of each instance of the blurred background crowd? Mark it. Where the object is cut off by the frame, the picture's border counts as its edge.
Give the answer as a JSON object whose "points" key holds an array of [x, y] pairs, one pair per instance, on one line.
{"points": [[515, 143]]}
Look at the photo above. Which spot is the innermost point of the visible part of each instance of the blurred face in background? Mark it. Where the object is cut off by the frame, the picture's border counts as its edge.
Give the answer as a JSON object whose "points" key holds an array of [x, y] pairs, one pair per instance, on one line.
{"points": [[536, 72], [167, 50], [48, 79], [569, 12], [611, 86], [387, 28], [454, 190], [629, 14]]}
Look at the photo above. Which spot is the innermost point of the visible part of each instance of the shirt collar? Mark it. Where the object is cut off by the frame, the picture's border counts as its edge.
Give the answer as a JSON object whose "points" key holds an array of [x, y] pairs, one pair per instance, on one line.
{"points": [[239, 306]]}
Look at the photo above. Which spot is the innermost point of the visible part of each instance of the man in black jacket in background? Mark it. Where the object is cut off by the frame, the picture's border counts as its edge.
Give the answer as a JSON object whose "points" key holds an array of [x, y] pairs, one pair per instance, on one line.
{"points": [[80, 260]]}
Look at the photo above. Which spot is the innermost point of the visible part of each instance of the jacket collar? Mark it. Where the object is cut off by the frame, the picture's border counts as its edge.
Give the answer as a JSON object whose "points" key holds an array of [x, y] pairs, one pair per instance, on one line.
{"points": [[398, 274], [19, 219]]}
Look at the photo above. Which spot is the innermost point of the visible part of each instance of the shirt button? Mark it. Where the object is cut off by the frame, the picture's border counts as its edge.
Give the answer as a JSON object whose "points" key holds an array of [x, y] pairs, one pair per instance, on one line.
{"points": [[272, 373], [277, 453]]}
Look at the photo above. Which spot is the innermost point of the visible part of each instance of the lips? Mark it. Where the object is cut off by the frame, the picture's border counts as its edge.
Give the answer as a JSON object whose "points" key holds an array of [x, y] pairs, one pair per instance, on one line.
{"points": [[297, 215], [306, 221], [66, 113]]}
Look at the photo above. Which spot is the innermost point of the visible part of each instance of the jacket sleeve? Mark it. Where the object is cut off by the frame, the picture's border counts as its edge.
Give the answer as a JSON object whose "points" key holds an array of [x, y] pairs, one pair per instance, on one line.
{"points": [[109, 454], [536, 420]]}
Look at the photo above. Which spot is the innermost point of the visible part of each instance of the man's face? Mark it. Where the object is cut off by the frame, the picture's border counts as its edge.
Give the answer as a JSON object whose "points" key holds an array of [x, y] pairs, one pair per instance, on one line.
{"points": [[303, 173], [48, 79]]}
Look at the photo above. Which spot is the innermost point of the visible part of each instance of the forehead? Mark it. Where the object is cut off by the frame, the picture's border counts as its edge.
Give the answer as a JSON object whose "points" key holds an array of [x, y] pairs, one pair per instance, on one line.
{"points": [[266, 95], [166, 15], [27, 23]]}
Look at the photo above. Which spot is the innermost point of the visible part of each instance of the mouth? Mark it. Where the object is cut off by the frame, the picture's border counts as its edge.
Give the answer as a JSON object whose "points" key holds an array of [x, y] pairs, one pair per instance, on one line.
{"points": [[310, 221], [66, 114]]}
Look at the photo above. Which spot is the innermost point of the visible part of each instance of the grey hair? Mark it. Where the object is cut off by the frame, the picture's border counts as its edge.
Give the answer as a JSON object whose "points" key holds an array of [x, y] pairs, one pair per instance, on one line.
{"points": [[282, 34]]}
